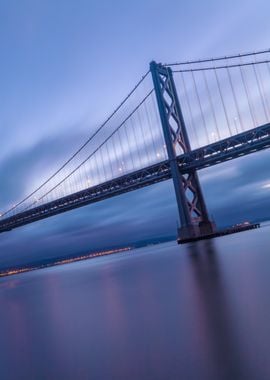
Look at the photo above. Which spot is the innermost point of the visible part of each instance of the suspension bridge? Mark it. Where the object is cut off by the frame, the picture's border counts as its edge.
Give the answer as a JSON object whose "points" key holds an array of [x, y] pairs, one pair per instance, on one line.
{"points": [[179, 118]]}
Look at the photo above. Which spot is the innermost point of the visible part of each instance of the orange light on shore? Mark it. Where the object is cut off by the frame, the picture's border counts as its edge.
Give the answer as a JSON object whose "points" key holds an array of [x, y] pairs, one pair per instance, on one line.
{"points": [[13, 271]]}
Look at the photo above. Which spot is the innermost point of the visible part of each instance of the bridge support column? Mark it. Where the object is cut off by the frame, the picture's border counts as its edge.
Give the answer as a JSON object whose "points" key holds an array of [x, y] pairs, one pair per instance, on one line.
{"points": [[190, 201]]}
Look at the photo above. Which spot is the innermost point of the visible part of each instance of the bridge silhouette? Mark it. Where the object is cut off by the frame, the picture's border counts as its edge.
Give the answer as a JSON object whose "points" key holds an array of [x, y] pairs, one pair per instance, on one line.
{"points": [[179, 118]]}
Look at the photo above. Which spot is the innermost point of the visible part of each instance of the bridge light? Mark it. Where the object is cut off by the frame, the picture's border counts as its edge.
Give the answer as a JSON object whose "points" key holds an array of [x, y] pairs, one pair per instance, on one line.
{"points": [[158, 154], [214, 136]]}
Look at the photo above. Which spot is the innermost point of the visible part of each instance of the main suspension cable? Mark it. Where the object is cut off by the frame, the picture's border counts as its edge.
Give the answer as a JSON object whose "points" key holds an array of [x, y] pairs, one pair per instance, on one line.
{"points": [[218, 58], [220, 67], [100, 145], [81, 148]]}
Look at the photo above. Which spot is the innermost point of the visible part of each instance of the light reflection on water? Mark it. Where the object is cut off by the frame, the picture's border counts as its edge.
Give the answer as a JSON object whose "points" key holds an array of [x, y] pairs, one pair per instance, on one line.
{"points": [[197, 311]]}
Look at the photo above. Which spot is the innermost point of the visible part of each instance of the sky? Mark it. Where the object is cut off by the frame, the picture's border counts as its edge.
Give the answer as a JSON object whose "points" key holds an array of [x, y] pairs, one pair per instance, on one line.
{"points": [[65, 65]]}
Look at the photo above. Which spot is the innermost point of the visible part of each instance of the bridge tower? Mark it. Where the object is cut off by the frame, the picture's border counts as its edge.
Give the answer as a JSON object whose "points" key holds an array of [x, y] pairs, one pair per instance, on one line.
{"points": [[190, 201]]}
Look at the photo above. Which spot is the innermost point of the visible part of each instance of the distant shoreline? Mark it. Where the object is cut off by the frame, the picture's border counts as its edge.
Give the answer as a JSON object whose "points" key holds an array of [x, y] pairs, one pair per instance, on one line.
{"points": [[47, 263], [29, 268]]}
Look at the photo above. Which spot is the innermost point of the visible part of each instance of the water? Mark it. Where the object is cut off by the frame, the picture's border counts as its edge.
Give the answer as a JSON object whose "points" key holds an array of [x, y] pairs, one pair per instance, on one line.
{"points": [[197, 311]]}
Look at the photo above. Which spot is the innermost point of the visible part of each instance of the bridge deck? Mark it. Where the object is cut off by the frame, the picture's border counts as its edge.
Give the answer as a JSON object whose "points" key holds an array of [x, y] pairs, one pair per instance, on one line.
{"points": [[212, 154]]}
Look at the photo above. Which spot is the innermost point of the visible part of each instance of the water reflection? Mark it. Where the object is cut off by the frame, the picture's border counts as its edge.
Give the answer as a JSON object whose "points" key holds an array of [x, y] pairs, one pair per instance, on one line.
{"points": [[223, 359], [165, 312]]}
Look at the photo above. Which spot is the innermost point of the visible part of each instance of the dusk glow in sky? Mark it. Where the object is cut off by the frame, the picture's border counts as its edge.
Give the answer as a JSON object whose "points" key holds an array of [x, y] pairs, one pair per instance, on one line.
{"points": [[65, 66]]}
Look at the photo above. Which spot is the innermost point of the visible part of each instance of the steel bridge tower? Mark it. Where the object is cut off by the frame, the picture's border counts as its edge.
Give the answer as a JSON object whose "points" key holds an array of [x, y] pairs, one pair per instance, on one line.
{"points": [[190, 201]]}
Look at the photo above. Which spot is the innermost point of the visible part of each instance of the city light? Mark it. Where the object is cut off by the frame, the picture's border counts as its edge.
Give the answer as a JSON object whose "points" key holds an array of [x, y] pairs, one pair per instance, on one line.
{"points": [[13, 271]]}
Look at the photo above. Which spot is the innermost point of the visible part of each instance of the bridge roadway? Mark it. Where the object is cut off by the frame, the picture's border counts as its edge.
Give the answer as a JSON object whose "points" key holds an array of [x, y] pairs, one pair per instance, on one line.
{"points": [[230, 148]]}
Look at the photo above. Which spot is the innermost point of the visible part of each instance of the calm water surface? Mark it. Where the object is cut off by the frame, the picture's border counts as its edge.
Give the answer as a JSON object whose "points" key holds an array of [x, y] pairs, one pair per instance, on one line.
{"points": [[199, 311]]}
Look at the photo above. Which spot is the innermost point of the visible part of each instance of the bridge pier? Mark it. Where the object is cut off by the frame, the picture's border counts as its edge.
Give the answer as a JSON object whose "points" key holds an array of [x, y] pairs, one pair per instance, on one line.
{"points": [[195, 230], [192, 209]]}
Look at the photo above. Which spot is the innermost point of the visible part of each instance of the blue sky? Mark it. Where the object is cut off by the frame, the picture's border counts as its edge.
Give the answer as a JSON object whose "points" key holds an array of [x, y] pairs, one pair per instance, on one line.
{"points": [[65, 65]]}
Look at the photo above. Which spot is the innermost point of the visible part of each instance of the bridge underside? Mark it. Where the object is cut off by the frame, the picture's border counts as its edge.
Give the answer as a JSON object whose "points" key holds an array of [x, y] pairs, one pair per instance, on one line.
{"points": [[239, 145]]}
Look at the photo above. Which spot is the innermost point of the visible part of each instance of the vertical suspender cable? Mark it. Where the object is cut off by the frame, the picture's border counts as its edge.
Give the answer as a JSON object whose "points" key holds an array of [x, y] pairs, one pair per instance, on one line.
{"points": [[190, 110], [150, 127], [135, 140], [211, 103], [114, 152], [235, 99], [200, 105], [247, 95], [99, 167], [123, 165], [261, 90], [161, 136], [143, 136], [222, 101], [103, 164], [96, 169], [109, 160], [128, 142], [268, 68]]}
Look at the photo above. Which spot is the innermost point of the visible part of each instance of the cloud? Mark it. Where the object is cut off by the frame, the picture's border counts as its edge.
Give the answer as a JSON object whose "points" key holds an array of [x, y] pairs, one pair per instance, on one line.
{"points": [[23, 170], [53, 74], [233, 190], [150, 212]]}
